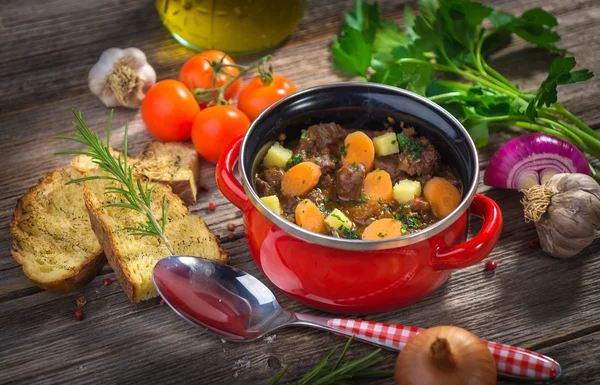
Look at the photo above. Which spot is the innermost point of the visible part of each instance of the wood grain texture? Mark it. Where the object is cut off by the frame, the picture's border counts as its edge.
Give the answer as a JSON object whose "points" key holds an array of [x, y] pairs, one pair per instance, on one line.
{"points": [[46, 50]]}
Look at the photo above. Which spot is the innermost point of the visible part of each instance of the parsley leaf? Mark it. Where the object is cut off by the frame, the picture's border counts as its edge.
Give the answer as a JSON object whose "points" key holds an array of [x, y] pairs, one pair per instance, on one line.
{"points": [[343, 149], [560, 73], [534, 26], [351, 53], [350, 234]]}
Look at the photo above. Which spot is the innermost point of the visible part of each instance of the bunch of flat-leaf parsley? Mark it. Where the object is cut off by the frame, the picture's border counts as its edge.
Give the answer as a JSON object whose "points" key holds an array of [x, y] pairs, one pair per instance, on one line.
{"points": [[448, 37]]}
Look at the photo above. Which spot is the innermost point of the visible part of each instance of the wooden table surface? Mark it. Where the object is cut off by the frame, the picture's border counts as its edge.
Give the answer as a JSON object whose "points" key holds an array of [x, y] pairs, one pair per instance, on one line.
{"points": [[46, 51]]}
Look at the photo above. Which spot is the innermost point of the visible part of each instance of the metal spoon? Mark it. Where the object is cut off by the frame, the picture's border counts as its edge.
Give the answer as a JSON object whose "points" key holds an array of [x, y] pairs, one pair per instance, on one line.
{"points": [[236, 306]]}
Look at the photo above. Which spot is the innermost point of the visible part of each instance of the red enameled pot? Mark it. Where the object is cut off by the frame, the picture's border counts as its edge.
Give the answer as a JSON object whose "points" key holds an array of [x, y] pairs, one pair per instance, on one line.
{"points": [[356, 276]]}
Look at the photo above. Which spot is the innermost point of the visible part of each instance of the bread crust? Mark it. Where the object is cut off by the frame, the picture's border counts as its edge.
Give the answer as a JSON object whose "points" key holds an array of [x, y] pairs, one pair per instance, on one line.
{"points": [[77, 277], [110, 250], [186, 158]]}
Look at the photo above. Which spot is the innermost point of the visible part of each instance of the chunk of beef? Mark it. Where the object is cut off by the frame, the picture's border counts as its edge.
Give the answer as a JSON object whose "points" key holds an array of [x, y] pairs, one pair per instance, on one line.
{"points": [[419, 206], [409, 132], [425, 163], [324, 160], [349, 181], [322, 139], [268, 182], [391, 165], [263, 189]]}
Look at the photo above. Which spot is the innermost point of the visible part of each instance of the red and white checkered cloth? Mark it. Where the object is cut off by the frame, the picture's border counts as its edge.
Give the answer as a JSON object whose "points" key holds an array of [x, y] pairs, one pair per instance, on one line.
{"points": [[510, 361]]}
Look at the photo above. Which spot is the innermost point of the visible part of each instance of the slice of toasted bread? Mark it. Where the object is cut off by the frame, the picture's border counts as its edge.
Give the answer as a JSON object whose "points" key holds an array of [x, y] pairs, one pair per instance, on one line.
{"points": [[133, 257], [52, 235], [173, 163]]}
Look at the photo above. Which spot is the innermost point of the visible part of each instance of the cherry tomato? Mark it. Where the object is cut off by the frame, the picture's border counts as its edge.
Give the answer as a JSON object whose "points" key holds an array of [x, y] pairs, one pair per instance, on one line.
{"points": [[168, 111], [197, 73], [214, 127], [256, 96]]}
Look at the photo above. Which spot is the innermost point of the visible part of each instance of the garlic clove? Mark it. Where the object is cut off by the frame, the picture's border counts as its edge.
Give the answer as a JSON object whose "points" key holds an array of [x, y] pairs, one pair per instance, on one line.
{"points": [[121, 77]]}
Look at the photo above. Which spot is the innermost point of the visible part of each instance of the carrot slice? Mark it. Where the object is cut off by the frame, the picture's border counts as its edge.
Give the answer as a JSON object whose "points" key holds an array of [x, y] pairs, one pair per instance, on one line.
{"points": [[358, 148], [300, 179], [309, 217], [383, 229], [442, 196], [378, 186]]}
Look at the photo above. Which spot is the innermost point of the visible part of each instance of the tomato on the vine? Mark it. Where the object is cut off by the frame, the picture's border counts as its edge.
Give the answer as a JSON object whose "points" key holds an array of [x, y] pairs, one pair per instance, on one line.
{"points": [[256, 96], [197, 73], [168, 111], [214, 127]]}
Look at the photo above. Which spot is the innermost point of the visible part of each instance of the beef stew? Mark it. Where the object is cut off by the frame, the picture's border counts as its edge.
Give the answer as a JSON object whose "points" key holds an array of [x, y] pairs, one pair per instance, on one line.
{"points": [[358, 184]]}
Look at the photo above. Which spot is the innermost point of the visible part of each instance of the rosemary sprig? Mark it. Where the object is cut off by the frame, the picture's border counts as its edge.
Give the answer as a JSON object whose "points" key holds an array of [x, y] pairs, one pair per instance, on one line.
{"points": [[339, 373], [137, 194]]}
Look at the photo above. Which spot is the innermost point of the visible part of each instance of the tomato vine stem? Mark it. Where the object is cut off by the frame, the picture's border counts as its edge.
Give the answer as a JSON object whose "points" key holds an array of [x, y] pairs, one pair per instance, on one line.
{"points": [[204, 95]]}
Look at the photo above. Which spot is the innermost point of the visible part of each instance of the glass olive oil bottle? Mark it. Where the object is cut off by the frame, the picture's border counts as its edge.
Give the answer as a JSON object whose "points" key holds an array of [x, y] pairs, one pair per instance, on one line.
{"points": [[232, 26]]}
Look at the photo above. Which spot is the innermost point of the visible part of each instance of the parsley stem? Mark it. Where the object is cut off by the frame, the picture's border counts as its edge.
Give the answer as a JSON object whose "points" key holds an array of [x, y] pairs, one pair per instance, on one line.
{"points": [[442, 97], [570, 131], [470, 76], [574, 119]]}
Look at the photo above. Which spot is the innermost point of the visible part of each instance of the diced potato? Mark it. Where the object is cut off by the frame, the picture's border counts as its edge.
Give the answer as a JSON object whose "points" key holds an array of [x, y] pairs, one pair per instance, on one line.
{"points": [[272, 202], [386, 144], [337, 219], [277, 155], [406, 190]]}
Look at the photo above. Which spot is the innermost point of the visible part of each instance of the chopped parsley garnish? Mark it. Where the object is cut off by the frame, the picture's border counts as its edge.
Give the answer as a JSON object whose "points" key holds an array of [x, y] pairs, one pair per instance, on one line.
{"points": [[393, 142], [324, 210], [334, 159], [364, 198], [303, 135], [343, 149], [413, 222], [380, 201], [350, 234], [318, 159], [381, 235], [328, 200], [411, 148], [297, 158], [379, 178]]}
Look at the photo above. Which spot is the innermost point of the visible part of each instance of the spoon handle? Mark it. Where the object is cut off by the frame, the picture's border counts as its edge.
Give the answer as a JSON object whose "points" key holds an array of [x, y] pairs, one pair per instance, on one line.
{"points": [[511, 361]]}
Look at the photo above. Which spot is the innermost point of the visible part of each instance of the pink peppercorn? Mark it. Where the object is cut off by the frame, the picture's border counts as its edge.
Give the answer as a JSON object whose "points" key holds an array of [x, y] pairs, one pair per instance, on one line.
{"points": [[79, 314]]}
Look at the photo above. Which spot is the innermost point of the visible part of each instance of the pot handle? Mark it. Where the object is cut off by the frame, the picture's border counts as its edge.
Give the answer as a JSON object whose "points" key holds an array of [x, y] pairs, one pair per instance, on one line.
{"points": [[474, 250], [227, 182]]}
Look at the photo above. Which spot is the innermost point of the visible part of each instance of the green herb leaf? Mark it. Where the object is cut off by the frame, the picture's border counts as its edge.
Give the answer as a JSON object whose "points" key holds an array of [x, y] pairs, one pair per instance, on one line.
{"points": [[351, 53], [365, 18], [409, 21], [534, 26], [478, 129], [390, 36], [560, 73]]}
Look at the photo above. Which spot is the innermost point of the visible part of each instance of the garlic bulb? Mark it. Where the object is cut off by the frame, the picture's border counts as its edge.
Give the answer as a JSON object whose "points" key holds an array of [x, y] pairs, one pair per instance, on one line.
{"points": [[121, 77], [566, 213]]}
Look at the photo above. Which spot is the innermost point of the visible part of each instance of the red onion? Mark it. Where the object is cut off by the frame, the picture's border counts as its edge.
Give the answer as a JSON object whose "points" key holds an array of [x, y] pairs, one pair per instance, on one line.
{"points": [[533, 159]]}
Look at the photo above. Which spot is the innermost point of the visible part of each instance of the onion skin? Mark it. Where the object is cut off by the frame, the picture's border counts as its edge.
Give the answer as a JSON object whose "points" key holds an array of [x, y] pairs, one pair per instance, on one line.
{"points": [[571, 220], [531, 160], [467, 362]]}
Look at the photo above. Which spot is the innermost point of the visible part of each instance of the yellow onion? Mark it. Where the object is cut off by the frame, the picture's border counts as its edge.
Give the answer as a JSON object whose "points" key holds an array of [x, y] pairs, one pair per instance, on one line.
{"points": [[445, 355]]}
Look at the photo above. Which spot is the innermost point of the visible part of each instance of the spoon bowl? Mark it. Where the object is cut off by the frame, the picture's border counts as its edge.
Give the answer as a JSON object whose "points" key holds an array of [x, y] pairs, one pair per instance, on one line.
{"points": [[219, 298]]}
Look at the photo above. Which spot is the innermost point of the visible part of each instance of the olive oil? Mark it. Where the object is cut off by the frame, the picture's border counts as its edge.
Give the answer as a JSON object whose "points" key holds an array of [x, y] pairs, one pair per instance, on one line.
{"points": [[232, 26]]}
